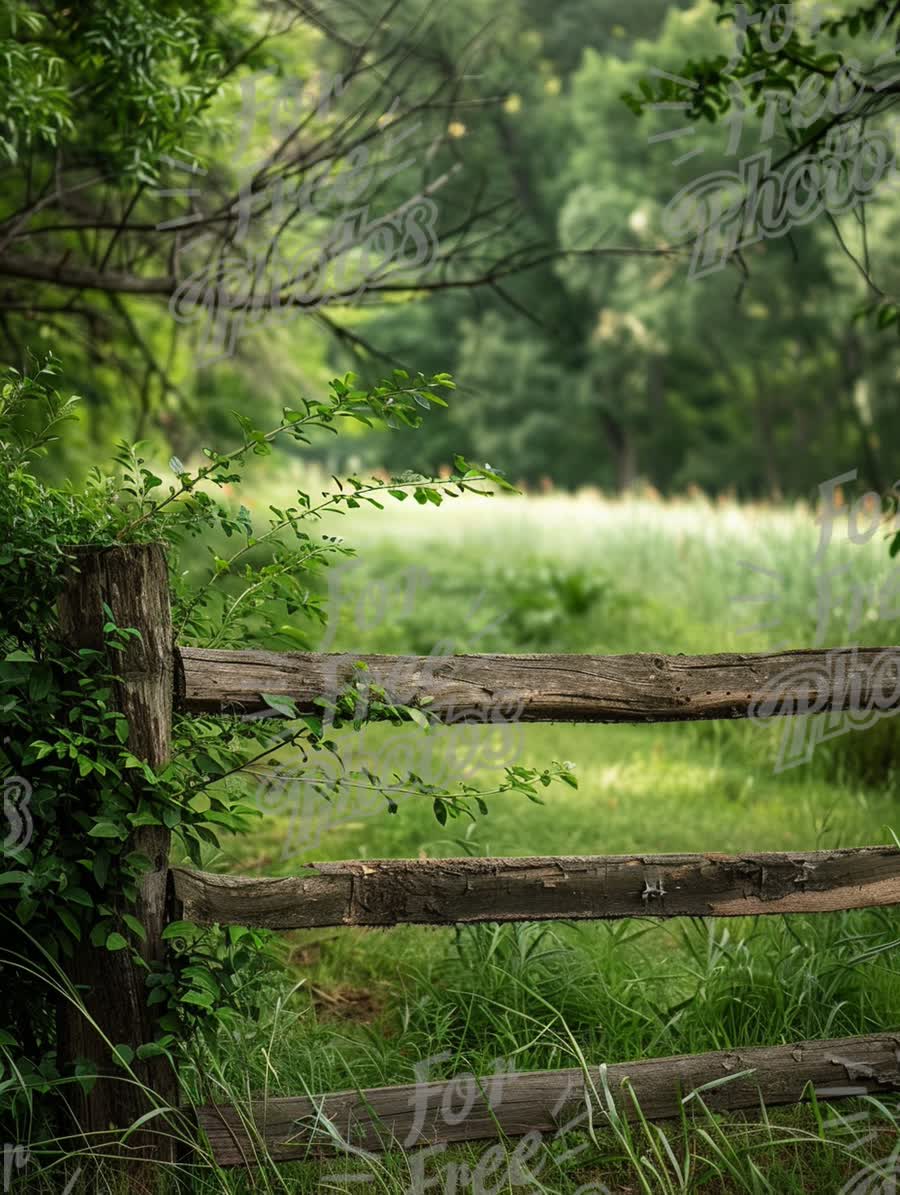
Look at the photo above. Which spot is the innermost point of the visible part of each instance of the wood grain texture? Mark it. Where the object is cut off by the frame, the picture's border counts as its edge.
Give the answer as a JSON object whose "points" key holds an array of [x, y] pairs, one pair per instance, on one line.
{"points": [[133, 582], [466, 1109], [381, 892], [555, 688]]}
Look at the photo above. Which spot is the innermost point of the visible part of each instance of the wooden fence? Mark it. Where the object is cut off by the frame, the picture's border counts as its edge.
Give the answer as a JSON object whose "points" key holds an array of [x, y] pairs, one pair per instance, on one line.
{"points": [[158, 679]]}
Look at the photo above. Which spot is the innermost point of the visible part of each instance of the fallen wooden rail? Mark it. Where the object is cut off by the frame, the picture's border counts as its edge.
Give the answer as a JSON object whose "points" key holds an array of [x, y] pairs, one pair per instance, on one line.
{"points": [[547, 1101], [550, 688], [464, 891]]}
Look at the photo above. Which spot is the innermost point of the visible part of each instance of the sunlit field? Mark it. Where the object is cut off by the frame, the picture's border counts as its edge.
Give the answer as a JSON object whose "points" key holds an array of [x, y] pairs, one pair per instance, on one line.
{"points": [[584, 574]]}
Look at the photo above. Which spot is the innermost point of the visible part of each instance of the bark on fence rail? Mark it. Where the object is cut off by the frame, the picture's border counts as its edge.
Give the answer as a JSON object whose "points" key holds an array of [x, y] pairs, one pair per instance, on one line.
{"points": [[554, 688], [462, 891], [546, 1101]]}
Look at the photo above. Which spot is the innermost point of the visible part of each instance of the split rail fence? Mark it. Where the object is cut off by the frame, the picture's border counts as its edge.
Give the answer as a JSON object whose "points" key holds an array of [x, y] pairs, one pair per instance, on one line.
{"points": [[159, 679]]}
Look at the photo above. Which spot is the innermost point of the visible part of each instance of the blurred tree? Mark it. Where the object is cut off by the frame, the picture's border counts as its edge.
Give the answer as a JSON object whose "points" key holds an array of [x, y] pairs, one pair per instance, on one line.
{"points": [[757, 378], [124, 189]]}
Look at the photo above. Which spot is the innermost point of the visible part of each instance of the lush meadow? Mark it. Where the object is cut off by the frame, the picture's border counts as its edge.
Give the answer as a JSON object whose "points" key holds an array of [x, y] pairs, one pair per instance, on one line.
{"points": [[583, 574]]}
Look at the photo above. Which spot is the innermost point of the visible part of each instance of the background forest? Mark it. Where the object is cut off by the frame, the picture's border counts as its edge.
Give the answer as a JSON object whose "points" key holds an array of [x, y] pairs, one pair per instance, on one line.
{"points": [[575, 366]]}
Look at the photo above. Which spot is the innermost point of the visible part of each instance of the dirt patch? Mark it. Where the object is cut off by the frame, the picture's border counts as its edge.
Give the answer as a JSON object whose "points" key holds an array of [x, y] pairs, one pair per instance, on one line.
{"points": [[305, 956], [347, 1004]]}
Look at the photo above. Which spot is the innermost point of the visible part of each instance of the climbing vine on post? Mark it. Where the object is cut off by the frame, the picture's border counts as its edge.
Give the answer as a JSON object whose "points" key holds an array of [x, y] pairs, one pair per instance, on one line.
{"points": [[88, 608]]}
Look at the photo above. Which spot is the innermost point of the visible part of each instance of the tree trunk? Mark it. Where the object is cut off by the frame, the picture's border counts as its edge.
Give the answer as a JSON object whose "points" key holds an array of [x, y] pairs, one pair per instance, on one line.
{"points": [[766, 435], [133, 582], [853, 369], [622, 445]]}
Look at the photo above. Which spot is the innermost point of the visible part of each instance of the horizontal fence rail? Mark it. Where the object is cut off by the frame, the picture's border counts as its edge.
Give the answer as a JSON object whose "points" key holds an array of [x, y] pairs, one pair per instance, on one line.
{"points": [[547, 688], [554, 688], [387, 892], [466, 688], [512, 1105]]}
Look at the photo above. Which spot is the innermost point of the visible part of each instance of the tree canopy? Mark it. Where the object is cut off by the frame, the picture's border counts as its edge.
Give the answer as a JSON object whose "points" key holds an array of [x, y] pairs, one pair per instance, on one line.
{"points": [[205, 205]]}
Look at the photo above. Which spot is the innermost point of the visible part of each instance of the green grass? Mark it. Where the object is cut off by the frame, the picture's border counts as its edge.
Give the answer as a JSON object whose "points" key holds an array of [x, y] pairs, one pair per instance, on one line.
{"points": [[583, 575]]}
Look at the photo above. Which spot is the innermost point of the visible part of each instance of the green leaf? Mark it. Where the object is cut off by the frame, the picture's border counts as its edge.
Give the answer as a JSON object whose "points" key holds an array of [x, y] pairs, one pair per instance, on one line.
{"points": [[106, 830], [144, 818], [150, 1049], [115, 941], [203, 999], [123, 1054], [417, 716], [135, 926], [283, 705], [102, 861], [178, 929], [70, 923], [86, 1075], [295, 635], [39, 682], [98, 933]]}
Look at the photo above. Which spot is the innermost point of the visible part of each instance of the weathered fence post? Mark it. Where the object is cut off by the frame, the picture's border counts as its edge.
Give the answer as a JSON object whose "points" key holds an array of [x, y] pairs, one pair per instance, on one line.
{"points": [[132, 580]]}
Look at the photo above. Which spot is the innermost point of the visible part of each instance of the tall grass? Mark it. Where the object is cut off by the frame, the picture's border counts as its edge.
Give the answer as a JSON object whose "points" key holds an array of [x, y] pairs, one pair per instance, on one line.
{"points": [[362, 1008]]}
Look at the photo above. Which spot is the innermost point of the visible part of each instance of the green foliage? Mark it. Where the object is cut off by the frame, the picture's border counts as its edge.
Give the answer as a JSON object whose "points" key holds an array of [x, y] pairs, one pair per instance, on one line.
{"points": [[601, 370], [131, 80], [73, 882], [545, 598], [589, 368], [775, 53]]}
